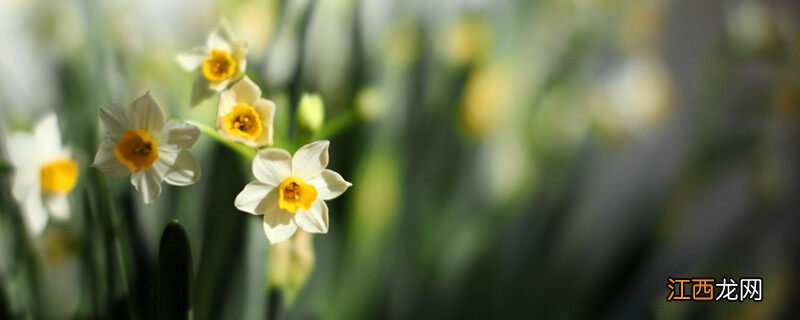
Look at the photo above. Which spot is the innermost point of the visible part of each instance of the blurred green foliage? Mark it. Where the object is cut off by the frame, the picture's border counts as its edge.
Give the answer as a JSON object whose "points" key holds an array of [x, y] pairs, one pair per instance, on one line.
{"points": [[510, 159]]}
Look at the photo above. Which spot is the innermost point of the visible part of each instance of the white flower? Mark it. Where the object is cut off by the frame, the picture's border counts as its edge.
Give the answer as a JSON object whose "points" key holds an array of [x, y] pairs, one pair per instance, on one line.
{"points": [[290, 192], [44, 173], [244, 116], [221, 61], [138, 141]]}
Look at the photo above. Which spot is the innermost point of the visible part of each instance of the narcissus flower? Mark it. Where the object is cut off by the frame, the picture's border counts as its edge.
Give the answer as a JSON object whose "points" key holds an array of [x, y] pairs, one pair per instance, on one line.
{"points": [[44, 173], [244, 116], [141, 143], [221, 62], [291, 191]]}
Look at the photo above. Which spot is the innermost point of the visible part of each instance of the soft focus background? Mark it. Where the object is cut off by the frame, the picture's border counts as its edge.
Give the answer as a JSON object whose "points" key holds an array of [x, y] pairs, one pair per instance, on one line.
{"points": [[510, 159]]}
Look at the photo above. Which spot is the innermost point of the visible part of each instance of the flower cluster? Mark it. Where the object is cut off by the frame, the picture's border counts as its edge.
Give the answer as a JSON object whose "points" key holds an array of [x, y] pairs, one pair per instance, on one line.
{"points": [[289, 191]]}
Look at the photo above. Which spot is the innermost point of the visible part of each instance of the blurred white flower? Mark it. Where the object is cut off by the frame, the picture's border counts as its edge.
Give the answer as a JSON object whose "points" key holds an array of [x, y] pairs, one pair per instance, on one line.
{"points": [[638, 98], [370, 103], [291, 191], [221, 61], [244, 116], [44, 173], [141, 143], [752, 25]]}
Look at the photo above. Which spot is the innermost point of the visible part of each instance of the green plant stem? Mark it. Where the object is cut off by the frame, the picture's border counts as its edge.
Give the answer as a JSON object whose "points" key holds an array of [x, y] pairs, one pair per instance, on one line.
{"points": [[242, 150], [5, 166]]}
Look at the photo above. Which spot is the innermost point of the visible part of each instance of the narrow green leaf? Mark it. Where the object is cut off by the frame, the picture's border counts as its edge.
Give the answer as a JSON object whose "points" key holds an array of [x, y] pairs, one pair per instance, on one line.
{"points": [[174, 278]]}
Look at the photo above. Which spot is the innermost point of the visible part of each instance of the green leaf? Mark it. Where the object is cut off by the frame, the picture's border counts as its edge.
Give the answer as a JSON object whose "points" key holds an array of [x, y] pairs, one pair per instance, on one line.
{"points": [[174, 278], [5, 167], [200, 91], [221, 268]]}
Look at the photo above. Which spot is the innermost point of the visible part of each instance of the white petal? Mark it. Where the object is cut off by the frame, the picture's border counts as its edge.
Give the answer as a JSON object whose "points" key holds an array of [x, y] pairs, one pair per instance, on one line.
{"points": [[240, 55], [219, 86], [265, 109], [184, 171], [25, 179], [48, 136], [58, 205], [256, 198], [246, 91], [107, 162], [218, 42], [21, 152], [221, 37], [148, 183], [329, 184], [271, 166], [116, 120], [35, 214], [181, 133], [190, 61], [315, 219], [278, 225], [265, 138], [26, 162], [146, 113], [227, 99], [310, 160]]}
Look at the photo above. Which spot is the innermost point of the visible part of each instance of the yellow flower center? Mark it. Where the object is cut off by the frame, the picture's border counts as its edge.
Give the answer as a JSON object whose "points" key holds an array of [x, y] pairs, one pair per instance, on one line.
{"points": [[295, 193], [136, 149], [243, 120], [59, 175], [219, 65]]}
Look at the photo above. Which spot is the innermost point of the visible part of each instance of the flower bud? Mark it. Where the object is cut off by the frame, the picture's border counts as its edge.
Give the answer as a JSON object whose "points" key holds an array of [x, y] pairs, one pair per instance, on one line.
{"points": [[369, 103], [311, 113], [290, 264]]}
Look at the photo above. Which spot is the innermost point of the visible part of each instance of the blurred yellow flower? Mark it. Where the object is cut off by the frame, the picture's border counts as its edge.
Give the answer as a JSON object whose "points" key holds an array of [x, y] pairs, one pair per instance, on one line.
{"points": [[221, 62], [291, 191], [44, 173], [485, 99], [402, 46], [642, 24], [467, 40], [244, 116], [787, 96], [141, 143]]}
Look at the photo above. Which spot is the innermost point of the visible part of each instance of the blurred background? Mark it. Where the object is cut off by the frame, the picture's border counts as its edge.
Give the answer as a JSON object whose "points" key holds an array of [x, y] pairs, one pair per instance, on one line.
{"points": [[510, 159]]}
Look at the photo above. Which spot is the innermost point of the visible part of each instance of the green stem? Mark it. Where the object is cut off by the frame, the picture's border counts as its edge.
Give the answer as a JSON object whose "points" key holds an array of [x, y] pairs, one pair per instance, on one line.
{"points": [[336, 125], [5, 166], [244, 151]]}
